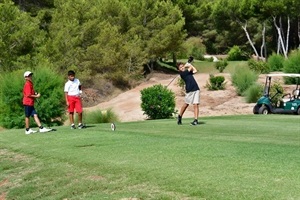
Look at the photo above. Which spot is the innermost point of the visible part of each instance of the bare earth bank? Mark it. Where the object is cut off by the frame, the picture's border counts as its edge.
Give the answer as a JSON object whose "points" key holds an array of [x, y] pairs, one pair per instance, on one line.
{"points": [[213, 103]]}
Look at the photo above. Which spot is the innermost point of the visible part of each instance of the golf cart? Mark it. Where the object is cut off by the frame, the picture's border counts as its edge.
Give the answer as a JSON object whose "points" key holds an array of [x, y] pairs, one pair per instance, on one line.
{"points": [[289, 103]]}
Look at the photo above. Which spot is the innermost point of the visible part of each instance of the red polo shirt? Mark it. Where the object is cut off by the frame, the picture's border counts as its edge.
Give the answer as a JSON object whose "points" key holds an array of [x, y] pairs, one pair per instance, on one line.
{"points": [[27, 92]]}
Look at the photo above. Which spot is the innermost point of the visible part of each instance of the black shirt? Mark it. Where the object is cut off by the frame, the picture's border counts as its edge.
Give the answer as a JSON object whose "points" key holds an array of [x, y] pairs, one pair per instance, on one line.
{"points": [[189, 80]]}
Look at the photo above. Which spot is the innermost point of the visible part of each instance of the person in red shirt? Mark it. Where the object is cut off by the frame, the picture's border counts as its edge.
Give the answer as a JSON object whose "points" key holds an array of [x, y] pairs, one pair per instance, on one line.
{"points": [[28, 101]]}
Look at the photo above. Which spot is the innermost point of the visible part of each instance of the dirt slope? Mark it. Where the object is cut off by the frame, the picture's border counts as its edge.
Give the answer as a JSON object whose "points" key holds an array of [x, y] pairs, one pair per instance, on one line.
{"points": [[213, 103]]}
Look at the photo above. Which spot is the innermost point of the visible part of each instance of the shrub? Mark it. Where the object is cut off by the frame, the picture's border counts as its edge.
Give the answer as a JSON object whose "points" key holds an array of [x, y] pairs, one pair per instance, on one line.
{"points": [[50, 106], [181, 84], [119, 80], [274, 95], [216, 82], [98, 116], [236, 54], [275, 62], [12, 111], [253, 93], [292, 65], [242, 79], [221, 65], [259, 66], [194, 47], [158, 102]]}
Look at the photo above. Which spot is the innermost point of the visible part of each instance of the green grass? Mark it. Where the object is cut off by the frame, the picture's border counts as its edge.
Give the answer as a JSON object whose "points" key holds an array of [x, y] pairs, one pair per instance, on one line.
{"points": [[229, 157], [206, 66], [209, 67]]}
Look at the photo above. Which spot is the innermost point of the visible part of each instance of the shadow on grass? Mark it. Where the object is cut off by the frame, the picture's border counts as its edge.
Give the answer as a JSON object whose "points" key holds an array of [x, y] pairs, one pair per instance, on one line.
{"points": [[89, 126], [201, 123]]}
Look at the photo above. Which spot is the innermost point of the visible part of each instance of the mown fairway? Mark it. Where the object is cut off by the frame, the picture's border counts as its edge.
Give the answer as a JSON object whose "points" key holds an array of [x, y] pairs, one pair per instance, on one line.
{"points": [[230, 157]]}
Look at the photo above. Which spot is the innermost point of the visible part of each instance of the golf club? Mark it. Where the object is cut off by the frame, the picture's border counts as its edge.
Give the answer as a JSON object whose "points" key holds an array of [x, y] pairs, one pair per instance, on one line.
{"points": [[190, 60], [172, 80]]}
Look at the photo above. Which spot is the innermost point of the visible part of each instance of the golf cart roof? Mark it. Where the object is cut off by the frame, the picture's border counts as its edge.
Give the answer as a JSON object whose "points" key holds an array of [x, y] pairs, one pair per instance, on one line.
{"points": [[283, 75]]}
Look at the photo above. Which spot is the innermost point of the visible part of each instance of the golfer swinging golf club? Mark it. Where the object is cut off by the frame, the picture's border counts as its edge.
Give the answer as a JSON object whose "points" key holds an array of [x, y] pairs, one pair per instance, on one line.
{"points": [[186, 72]]}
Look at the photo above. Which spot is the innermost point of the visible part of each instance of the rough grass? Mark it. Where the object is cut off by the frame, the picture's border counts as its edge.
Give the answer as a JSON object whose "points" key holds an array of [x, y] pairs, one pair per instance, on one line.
{"points": [[230, 157], [100, 116], [209, 67]]}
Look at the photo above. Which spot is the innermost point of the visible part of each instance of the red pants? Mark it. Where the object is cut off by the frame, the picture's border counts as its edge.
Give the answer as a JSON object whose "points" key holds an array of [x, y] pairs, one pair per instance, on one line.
{"points": [[74, 103]]}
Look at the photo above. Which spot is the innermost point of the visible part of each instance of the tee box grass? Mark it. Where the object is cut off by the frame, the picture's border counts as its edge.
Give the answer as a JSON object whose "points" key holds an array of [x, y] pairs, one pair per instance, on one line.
{"points": [[226, 157]]}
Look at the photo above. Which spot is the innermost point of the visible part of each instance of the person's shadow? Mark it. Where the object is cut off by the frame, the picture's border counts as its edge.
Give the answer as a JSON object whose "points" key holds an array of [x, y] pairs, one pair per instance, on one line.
{"points": [[201, 123], [89, 126]]}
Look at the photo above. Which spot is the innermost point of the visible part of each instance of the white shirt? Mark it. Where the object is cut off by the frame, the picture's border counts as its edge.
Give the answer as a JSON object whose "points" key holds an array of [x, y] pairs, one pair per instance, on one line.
{"points": [[72, 87]]}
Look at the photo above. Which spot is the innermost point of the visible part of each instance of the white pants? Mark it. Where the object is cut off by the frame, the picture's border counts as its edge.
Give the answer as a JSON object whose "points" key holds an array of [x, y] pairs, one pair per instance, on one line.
{"points": [[192, 97]]}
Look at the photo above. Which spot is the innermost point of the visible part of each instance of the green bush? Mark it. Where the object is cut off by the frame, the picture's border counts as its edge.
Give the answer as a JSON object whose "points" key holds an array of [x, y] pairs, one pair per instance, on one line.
{"points": [[242, 78], [253, 93], [181, 84], [221, 65], [276, 92], [194, 46], [275, 62], [158, 102], [197, 53], [259, 66], [236, 54], [50, 106], [216, 82], [292, 65], [119, 80], [98, 116]]}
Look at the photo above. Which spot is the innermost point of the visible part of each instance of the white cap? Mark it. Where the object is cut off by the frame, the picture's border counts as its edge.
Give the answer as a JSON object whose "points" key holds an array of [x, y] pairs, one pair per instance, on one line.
{"points": [[27, 73]]}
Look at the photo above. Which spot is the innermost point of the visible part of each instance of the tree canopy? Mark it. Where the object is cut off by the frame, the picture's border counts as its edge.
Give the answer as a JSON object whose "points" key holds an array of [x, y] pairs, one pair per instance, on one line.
{"points": [[124, 37], [101, 36]]}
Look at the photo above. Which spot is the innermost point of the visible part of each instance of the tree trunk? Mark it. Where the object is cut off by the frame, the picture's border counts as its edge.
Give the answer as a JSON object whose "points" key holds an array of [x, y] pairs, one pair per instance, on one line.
{"points": [[263, 52], [281, 42], [299, 31], [149, 67], [287, 34], [281, 30], [174, 58], [279, 51], [249, 39]]}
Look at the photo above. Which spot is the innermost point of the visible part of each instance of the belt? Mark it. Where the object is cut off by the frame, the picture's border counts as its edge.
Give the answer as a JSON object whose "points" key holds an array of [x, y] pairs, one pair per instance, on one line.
{"points": [[74, 95]]}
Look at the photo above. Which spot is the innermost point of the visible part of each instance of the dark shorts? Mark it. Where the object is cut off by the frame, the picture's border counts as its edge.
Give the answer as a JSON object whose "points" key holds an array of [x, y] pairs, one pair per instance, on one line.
{"points": [[29, 111]]}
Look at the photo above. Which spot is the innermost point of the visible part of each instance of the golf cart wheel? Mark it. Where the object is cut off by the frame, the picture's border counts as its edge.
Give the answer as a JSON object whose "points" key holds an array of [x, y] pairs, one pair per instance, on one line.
{"points": [[263, 110], [255, 109], [298, 110]]}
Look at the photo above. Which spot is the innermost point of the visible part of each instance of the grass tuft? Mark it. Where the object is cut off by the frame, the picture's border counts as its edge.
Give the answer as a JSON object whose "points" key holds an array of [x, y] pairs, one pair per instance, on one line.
{"points": [[98, 116]]}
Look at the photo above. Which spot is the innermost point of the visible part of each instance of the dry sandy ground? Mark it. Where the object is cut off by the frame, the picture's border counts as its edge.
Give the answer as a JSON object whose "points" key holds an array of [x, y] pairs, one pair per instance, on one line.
{"points": [[213, 103]]}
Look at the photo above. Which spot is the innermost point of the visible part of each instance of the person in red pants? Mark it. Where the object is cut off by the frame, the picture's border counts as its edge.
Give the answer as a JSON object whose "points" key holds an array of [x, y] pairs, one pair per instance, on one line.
{"points": [[73, 91]]}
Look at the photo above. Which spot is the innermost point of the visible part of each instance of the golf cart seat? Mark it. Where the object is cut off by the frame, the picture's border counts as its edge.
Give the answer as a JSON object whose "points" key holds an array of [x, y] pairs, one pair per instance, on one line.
{"points": [[286, 100], [296, 94], [286, 97]]}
